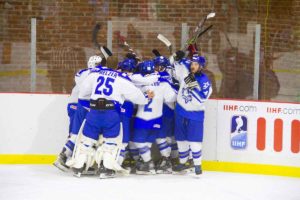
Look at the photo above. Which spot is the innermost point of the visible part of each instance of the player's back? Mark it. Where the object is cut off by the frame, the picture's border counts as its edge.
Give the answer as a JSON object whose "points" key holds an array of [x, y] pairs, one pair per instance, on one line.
{"points": [[111, 85], [149, 116]]}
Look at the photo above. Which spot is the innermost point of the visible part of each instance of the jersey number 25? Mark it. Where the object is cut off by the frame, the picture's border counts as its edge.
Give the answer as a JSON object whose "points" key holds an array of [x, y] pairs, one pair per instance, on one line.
{"points": [[107, 89]]}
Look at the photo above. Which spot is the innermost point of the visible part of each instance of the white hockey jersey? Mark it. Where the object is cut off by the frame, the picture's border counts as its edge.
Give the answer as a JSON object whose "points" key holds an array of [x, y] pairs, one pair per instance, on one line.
{"points": [[190, 101], [111, 85], [140, 80], [79, 77], [149, 116]]}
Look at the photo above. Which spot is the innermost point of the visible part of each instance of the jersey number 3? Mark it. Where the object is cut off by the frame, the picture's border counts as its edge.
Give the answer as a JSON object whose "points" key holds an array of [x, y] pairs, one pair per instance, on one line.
{"points": [[108, 89]]}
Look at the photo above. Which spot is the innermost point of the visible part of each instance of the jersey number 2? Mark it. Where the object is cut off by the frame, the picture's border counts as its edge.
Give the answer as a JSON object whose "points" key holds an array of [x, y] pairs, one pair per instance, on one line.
{"points": [[147, 108], [108, 87]]}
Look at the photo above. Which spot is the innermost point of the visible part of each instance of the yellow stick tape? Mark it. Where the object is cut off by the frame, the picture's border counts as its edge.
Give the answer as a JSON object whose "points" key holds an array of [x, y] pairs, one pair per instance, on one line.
{"points": [[207, 165]]}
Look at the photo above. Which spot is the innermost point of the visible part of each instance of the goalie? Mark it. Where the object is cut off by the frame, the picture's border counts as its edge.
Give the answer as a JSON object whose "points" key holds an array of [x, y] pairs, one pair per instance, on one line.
{"points": [[108, 89]]}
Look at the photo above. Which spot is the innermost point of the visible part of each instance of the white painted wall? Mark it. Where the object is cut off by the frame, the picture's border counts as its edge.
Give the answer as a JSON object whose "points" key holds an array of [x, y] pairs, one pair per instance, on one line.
{"points": [[38, 124]]}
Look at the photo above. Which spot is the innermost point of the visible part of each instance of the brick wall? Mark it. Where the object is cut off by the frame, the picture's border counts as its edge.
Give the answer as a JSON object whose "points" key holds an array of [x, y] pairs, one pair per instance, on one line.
{"points": [[64, 40]]}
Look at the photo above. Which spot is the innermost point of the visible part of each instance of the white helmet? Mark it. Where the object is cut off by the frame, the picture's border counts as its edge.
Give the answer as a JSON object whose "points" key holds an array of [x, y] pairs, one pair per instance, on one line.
{"points": [[93, 60]]}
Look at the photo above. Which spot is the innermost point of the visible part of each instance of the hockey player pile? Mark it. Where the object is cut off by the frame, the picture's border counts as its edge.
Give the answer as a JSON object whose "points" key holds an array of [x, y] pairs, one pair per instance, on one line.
{"points": [[116, 115]]}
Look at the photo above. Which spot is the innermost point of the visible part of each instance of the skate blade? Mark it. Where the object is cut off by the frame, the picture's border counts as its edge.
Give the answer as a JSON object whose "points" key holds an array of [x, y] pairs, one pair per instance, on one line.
{"points": [[104, 176], [61, 167], [77, 175], [151, 172], [168, 171], [183, 172]]}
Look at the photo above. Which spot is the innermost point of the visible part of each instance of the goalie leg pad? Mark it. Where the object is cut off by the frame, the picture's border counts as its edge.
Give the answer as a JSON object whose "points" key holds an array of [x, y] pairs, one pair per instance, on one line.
{"points": [[84, 154]]}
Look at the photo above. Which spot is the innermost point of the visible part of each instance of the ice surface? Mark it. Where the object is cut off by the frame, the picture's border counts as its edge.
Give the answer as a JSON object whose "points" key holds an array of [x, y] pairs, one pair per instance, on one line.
{"points": [[46, 182]]}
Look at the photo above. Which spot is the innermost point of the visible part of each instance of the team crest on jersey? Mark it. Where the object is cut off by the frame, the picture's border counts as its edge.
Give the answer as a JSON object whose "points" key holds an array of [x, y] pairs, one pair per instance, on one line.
{"points": [[186, 95], [238, 134]]}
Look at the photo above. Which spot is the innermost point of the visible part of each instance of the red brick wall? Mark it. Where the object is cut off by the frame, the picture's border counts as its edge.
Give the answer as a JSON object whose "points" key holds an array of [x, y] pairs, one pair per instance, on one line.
{"points": [[64, 40]]}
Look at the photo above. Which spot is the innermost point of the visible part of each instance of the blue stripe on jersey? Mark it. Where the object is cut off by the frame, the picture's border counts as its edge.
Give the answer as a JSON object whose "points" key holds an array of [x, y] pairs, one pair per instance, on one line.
{"points": [[197, 98], [193, 115], [124, 75], [150, 124], [84, 102], [81, 71]]}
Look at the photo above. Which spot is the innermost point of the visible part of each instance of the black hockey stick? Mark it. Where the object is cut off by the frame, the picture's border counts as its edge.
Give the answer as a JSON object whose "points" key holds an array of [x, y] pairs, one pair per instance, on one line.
{"points": [[94, 36], [198, 31]]}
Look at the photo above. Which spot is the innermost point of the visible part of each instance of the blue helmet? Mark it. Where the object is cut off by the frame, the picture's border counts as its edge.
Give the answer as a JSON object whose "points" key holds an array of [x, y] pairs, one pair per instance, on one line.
{"points": [[199, 59], [127, 65], [161, 61], [147, 67]]}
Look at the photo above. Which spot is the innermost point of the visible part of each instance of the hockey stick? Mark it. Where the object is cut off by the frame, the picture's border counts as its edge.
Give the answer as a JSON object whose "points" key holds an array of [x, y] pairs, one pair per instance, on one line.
{"points": [[198, 31], [156, 52], [94, 35], [165, 41]]}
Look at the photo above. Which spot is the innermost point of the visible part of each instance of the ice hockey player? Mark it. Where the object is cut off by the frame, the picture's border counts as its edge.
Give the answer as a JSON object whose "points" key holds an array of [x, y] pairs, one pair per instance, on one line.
{"points": [[127, 109], [77, 110], [108, 89], [167, 130], [149, 120], [195, 89]]}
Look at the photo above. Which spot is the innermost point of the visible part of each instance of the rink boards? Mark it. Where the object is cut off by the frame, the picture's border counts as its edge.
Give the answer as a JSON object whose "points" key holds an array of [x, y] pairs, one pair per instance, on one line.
{"points": [[240, 136]]}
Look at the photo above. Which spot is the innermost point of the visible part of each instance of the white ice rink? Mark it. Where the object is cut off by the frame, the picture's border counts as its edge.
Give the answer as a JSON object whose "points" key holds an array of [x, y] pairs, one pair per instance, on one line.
{"points": [[46, 182]]}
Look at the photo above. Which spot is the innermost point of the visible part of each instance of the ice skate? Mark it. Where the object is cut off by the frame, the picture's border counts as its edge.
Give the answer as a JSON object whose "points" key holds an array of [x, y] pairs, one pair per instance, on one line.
{"points": [[198, 169], [164, 166], [190, 164], [78, 172], [105, 173], [181, 169], [145, 168], [60, 163]]}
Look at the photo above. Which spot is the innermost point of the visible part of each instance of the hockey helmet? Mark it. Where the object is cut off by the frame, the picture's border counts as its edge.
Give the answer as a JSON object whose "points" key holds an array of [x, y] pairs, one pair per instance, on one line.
{"points": [[161, 61], [199, 59], [93, 61], [128, 65], [147, 67]]}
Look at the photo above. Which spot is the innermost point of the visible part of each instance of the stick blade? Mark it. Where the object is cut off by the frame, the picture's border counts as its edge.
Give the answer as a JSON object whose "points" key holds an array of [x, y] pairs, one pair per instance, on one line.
{"points": [[164, 40], [211, 15]]}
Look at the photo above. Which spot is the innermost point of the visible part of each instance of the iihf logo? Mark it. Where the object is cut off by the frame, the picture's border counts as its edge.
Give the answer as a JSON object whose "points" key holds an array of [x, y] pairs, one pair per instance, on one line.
{"points": [[238, 134]]}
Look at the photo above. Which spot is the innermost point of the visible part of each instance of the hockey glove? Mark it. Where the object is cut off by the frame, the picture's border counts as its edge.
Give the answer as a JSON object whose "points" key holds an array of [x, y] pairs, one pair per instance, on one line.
{"points": [[190, 81]]}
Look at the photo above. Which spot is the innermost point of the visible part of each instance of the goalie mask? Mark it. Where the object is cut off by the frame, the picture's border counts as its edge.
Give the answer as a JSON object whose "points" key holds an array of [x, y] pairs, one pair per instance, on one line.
{"points": [[94, 61]]}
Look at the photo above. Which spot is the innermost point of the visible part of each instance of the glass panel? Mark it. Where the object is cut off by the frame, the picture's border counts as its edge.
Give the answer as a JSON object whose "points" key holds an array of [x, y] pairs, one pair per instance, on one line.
{"points": [[65, 41]]}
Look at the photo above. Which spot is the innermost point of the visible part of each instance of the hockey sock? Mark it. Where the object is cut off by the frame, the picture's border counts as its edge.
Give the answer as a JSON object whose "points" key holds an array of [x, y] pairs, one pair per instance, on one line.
{"points": [[164, 147], [69, 146], [196, 148], [174, 147], [134, 151], [183, 151], [144, 151], [123, 153]]}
